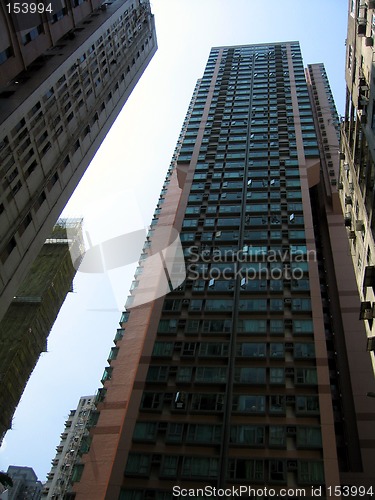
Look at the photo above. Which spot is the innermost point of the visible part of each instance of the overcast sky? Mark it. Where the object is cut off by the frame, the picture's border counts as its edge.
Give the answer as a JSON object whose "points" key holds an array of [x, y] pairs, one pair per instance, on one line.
{"points": [[128, 171]]}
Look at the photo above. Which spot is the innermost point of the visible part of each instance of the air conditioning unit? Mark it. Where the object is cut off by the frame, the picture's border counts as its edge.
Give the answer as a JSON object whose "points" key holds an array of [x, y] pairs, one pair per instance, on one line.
{"points": [[367, 314], [359, 226], [369, 41]]}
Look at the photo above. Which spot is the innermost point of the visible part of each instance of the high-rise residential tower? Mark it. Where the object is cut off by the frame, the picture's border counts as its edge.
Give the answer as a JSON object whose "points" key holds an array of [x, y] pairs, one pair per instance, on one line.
{"points": [[74, 441], [28, 321], [357, 172], [252, 372], [64, 78]]}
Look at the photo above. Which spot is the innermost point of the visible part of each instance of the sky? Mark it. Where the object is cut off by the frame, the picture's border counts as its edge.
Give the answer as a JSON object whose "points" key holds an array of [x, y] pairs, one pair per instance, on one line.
{"points": [[120, 189]]}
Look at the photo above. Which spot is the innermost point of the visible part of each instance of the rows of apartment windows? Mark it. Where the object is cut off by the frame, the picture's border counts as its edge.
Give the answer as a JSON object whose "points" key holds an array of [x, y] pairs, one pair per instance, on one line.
{"points": [[21, 153], [255, 283], [252, 327], [212, 349], [263, 111], [275, 436], [56, 16], [251, 469], [242, 375], [215, 305], [249, 404]]}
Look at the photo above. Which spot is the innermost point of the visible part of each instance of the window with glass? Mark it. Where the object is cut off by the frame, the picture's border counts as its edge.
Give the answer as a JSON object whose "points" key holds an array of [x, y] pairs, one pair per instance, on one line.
{"points": [[310, 472], [277, 436], [304, 350], [305, 376], [250, 470], [145, 431], [184, 374], [207, 402], [277, 376], [202, 433], [251, 350], [174, 433], [168, 325], [169, 466], [307, 405], [309, 437], [138, 465], [253, 435], [157, 374]]}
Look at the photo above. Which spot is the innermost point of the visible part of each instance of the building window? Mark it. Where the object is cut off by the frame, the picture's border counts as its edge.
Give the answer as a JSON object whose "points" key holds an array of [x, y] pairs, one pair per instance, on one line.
{"points": [[277, 470], [145, 431], [163, 349], [306, 376], [306, 405], [32, 35], [200, 467], [200, 433], [277, 436], [167, 326], [174, 433], [152, 401], [211, 374], [169, 466], [309, 437], [6, 54], [157, 374], [249, 403], [11, 245], [207, 402], [247, 434], [310, 472], [138, 465], [251, 470]]}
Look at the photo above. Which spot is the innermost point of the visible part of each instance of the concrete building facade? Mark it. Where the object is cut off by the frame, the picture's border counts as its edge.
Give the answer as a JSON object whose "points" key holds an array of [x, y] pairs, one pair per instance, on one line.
{"points": [[75, 440], [357, 166], [253, 371], [63, 82], [25, 484]]}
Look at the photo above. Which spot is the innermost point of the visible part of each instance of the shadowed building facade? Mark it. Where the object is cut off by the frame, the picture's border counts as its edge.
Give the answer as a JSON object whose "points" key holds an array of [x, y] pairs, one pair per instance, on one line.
{"points": [[64, 79]]}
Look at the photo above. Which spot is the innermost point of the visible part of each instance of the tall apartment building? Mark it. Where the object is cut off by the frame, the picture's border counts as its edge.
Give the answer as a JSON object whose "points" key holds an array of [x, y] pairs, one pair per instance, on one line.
{"points": [[64, 78], [358, 158], [32, 313], [75, 440], [25, 484], [254, 371]]}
